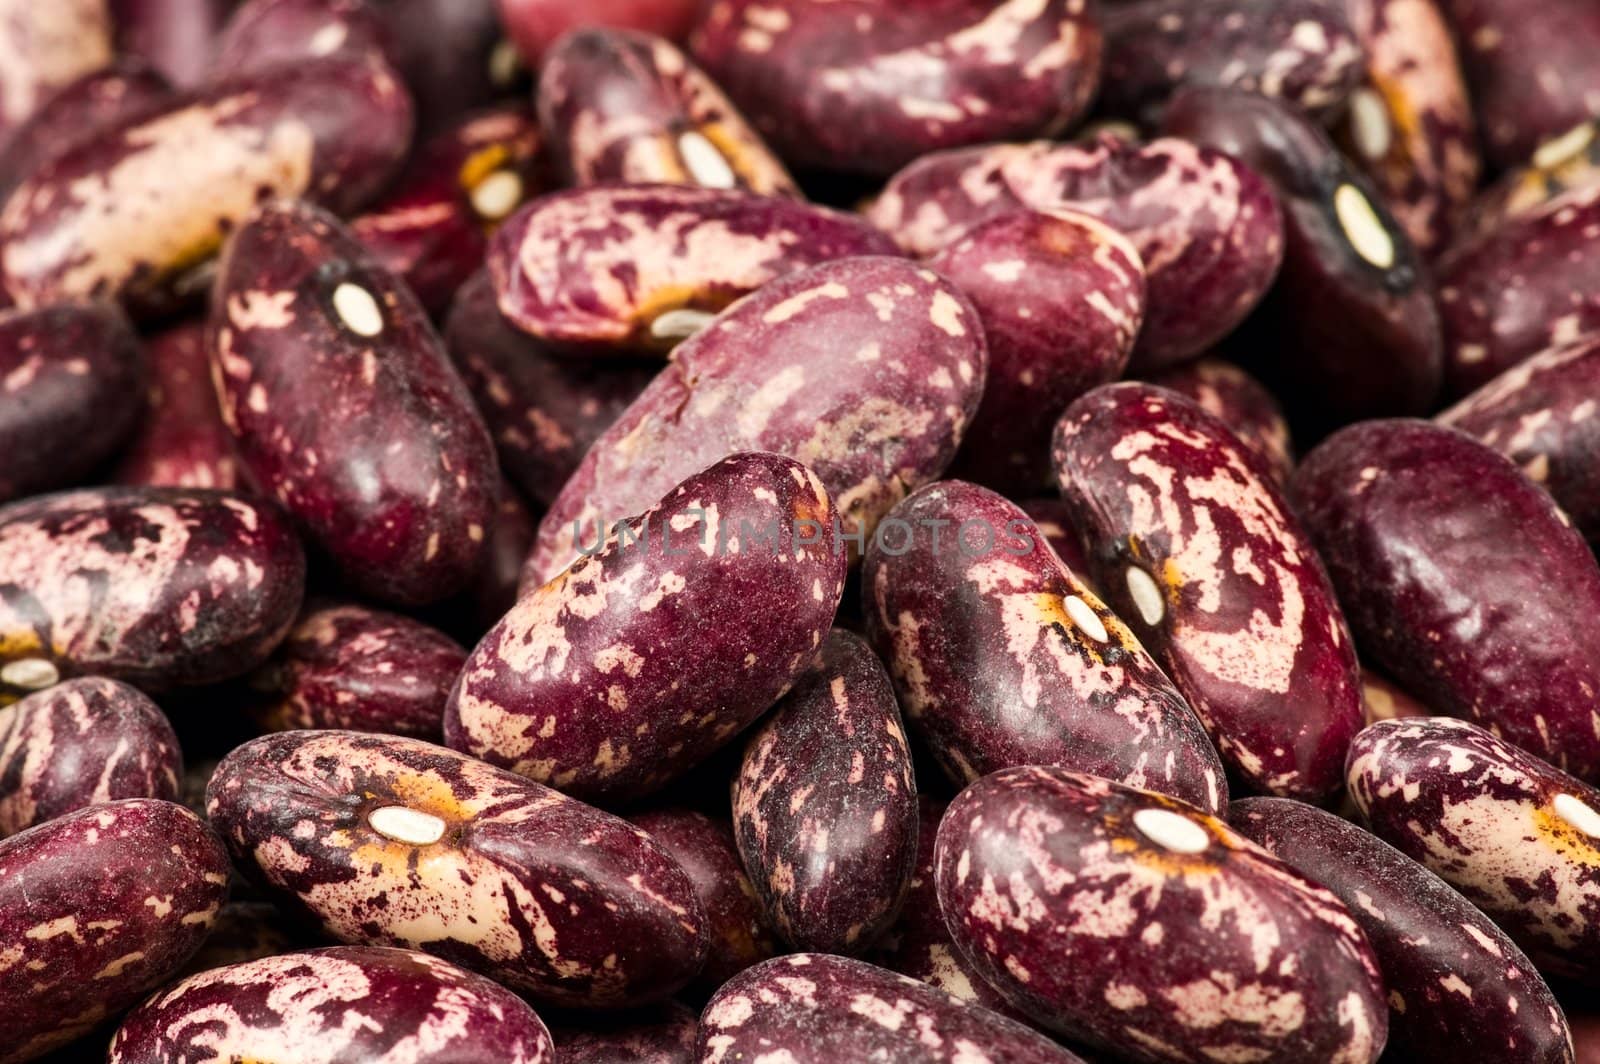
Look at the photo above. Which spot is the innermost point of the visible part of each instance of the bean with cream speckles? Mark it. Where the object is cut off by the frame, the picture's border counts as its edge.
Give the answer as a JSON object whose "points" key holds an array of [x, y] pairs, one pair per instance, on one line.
{"points": [[327, 1006], [664, 1035], [1138, 924], [1242, 403], [263, 34], [71, 377], [1561, 164], [1194, 544], [346, 408], [1462, 580], [159, 587], [385, 840], [44, 47], [1002, 656], [1518, 837], [98, 908], [651, 652], [1459, 989], [615, 268], [867, 370], [813, 1008], [625, 106], [181, 442]]}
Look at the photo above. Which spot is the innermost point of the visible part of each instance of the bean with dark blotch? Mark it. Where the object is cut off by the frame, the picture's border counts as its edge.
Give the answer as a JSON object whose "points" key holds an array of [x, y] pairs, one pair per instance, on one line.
{"points": [[1062, 298], [177, 36], [244, 931], [325, 1006], [1241, 402], [1410, 125], [346, 408], [544, 411], [347, 666], [623, 106], [1305, 52], [391, 841], [71, 388], [624, 268], [664, 1035], [631, 667], [137, 212], [867, 86], [83, 742], [1207, 227], [263, 34], [1560, 165], [1004, 657], [1351, 327], [1053, 519], [1531, 284], [706, 850], [1458, 988], [865, 370], [1462, 580], [159, 587], [1193, 542], [46, 46], [1138, 924], [825, 804], [98, 908], [1384, 700], [433, 229], [1518, 837], [455, 56], [181, 442], [812, 1008]]}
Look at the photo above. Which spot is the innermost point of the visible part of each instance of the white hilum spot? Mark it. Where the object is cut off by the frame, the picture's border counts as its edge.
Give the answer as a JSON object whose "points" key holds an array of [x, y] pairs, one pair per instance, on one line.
{"points": [[1172, 831], [406, 825]]}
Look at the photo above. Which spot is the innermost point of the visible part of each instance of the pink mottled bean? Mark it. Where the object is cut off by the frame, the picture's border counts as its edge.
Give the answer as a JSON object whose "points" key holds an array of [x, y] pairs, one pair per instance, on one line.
{"points": [[1241, 402], [181, 441], [44, 47]]}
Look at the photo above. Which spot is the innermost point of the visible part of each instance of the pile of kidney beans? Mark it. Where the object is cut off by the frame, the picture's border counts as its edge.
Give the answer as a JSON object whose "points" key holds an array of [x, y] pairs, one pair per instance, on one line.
{"points": [[800, 531]]}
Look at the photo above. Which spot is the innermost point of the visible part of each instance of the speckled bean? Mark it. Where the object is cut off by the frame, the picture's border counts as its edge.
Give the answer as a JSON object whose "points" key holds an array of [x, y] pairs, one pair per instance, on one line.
{"points": [[1241, 402], [181, 441], [177, 36], [263, 34], [1561, 164], [45, 46], [1194, 544], [664, 1035]]}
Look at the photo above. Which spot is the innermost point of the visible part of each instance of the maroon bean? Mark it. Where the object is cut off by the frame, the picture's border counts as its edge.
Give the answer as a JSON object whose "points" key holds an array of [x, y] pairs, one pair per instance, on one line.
{"points": [[454, 55], [1053, 519], [346, 408], [177, 36], [181, 441], [1560, 165], [46, 46], [1239, 401], [536, 25], [664, 1035], [263, 34], [1463, 581]]}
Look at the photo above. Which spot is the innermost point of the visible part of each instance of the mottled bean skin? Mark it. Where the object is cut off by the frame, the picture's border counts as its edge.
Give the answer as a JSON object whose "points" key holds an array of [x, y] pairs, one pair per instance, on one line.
{"points": [[638, 662], [661, 1036], [1052, 889], [1194, 544], [866, 370], [1561, 164], [325, 1006], [44, 47], [181, 441], [1207, 227], [1462, 580], [624, 106], [98, 908], [593, 269], [544, 894], [1053, 519], [997, 666], [263, 34], [544, 411], [866, 86], [71, 384], [350, 416], [133, 213], [1241, 402], [177, 36], [159, 587], [825, 804], [812, 1008], [1062, 298], [1484, 815]]}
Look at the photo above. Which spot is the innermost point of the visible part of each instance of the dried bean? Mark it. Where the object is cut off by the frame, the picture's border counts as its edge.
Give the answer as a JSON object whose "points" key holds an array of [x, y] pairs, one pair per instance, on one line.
{"points": [[1239, 401], [181, 441], [1562, 164]]}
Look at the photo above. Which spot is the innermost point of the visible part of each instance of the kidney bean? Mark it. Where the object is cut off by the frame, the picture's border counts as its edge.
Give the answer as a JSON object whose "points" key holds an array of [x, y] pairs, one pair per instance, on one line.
{"points": [[537, 25], [346, 409], [181, 440], [866, 370], [134, 212], [454, 55], [433, 229], [615, 704], [1560, 165], [812, 1008], [866, 87], [159, 587], [414, 845], [1207, 227], [1353, 300], [1062, 298], [177, 36], [622, 106], [71, 378], [1511, 832], [1463, 581], [243, 931], [664, 1035], [263, 34], [45, 47], [620, 267], [1386, 701], [1193, 542], [341, 1003], [1459, 989], [1138, 924], [1239, 401], [1053, 519], [1303, 51], [98, 908], [1003, 657]]}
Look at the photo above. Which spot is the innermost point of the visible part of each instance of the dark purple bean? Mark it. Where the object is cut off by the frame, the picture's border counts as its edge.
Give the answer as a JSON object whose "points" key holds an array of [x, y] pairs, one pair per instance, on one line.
{"points": [[1560, 165], [44, 47], [1239, 401], [263, 34], [177, 36], [1053, 519], [181, 442], [664, 1035], [454, 55]]}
